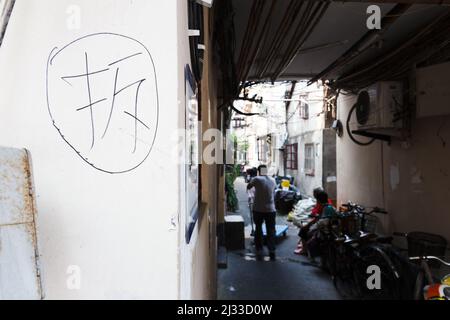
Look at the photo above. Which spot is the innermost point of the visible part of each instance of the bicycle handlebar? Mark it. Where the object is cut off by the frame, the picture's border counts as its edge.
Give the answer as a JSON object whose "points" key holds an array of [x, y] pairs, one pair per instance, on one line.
{"points": [[379, 210], [360, 209], [431, 258]]}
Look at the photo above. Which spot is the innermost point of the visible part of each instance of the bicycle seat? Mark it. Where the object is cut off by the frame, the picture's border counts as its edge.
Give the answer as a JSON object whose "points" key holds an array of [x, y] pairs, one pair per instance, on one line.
{"points": [[340, 240], [349, 240], [366, 235]]}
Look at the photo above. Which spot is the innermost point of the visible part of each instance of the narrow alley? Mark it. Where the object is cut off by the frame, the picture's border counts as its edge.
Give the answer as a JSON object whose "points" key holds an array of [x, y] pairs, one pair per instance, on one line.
{"points": [[130, 131], [290, 277]]}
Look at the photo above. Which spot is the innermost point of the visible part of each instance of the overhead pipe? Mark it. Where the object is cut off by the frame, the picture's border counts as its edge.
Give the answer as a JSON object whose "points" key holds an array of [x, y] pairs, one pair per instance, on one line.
{"points": [[322, 46], [247, 42], [259, 42], [299, 35], [397, 62], [310, 25], [288, 20], [385, 57], [298, 30], [364, 42]]}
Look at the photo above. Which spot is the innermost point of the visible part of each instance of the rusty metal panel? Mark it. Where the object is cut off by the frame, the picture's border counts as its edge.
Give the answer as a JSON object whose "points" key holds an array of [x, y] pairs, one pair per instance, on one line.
{"points": [[15, 200], [19, 273]]}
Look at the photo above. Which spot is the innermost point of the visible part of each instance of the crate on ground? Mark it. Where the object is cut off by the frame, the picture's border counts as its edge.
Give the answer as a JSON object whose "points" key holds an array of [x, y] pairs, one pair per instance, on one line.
{"points": [[234, 232]]}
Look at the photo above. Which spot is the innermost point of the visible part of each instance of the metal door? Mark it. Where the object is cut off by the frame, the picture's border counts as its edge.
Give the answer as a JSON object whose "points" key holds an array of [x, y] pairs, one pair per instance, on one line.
{"points": [[19, 264]]}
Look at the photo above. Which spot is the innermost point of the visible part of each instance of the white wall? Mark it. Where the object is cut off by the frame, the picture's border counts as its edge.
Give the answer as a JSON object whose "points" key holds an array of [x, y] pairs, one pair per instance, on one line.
{"points": [[359, 168], [410, 178], [116, 227], [306, 131], [298, 125], [304, 181]]}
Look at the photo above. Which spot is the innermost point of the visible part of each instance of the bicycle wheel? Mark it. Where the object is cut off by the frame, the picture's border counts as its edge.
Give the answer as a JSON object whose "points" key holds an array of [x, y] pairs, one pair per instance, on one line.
{"points": [[328, 258], [343, 275], [376, 275], [345, 285]]}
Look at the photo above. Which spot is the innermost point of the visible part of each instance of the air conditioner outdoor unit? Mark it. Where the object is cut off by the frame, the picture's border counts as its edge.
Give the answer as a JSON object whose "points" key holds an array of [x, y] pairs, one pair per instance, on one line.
{"points": [[279, 140], [380, 108]]}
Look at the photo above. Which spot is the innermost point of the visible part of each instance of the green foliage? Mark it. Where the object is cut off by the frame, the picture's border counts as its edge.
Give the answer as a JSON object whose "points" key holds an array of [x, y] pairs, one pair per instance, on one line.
{"points": [[244, 145], [231, 174]]}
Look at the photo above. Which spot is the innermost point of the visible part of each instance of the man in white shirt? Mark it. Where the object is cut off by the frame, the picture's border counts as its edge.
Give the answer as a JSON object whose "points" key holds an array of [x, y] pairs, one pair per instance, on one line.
{"points": [[264, 209]]}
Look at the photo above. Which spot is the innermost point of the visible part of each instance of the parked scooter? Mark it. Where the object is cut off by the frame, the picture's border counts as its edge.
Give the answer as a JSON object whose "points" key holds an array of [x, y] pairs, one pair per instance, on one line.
{"points": [[286, 194]]}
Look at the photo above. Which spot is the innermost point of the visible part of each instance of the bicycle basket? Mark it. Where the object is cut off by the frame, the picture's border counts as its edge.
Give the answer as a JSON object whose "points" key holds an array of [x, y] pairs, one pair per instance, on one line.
{"points": [[426, 244], [371, 224]]}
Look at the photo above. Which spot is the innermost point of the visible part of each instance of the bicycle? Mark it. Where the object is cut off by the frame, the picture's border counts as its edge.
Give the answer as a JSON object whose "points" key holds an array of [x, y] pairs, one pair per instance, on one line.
{"points": [[428, 250], [350, 253]]}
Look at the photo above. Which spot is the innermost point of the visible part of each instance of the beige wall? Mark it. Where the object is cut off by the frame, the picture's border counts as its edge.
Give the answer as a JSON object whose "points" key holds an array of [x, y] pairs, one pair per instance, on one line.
{"points": [[198, 258], [205, 255], [419, 201], [410, 179]]}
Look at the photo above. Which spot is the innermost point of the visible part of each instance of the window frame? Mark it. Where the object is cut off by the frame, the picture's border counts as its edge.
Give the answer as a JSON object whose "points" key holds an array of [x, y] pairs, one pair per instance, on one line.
{"points": [[303, 108], [310, 159], [291, 156], [262, 154]]}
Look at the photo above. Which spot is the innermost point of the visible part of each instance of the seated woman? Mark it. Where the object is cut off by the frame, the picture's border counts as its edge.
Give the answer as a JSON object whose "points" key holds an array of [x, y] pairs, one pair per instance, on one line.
{"points": [[322, 201], [324, 220]]}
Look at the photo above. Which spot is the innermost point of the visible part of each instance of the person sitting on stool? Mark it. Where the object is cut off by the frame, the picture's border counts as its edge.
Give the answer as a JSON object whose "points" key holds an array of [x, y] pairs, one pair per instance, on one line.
{"points": [[264, 209]]}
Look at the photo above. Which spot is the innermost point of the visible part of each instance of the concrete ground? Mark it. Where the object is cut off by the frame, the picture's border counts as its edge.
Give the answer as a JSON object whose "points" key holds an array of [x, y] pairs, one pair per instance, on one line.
{"points": [[289, 277]]}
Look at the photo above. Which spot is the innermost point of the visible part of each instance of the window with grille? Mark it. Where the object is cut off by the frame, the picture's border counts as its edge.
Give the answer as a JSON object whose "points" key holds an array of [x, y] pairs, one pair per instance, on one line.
{"points": [[262, 152], [304, 108], [309, 159], [291, 156], [264, 148]]}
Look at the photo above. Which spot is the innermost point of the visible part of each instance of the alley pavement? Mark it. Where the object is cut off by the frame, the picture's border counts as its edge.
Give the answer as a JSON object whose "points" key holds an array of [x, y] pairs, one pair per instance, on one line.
{"points": [[289, 277]]}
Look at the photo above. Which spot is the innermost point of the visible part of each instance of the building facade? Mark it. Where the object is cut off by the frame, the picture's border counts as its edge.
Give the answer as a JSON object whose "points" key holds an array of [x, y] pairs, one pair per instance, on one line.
{"points": [[310, 145]]}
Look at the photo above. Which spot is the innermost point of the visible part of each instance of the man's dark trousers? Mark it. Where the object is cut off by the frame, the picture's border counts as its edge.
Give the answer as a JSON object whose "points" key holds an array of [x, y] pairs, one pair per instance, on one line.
{"points": [[269, 218]]}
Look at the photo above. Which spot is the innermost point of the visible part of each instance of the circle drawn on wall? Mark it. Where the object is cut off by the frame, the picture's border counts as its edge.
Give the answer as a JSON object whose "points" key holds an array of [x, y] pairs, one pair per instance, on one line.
{"points": [[102, 97]]}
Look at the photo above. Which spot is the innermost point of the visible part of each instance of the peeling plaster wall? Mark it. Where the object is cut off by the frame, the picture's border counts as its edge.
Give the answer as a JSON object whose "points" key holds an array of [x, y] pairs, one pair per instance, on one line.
{"points": [[410, 179], [117, 228], [417, 175]]}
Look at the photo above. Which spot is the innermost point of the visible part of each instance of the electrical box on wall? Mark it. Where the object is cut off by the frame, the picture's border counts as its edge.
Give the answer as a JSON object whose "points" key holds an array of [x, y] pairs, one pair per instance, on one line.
{"points": [[433, 90], [384, 107]]}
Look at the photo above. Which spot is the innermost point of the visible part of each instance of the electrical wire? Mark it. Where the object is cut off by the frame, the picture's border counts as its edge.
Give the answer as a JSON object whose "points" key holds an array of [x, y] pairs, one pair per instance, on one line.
{"points": [[350, 134], [422, 46]]}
